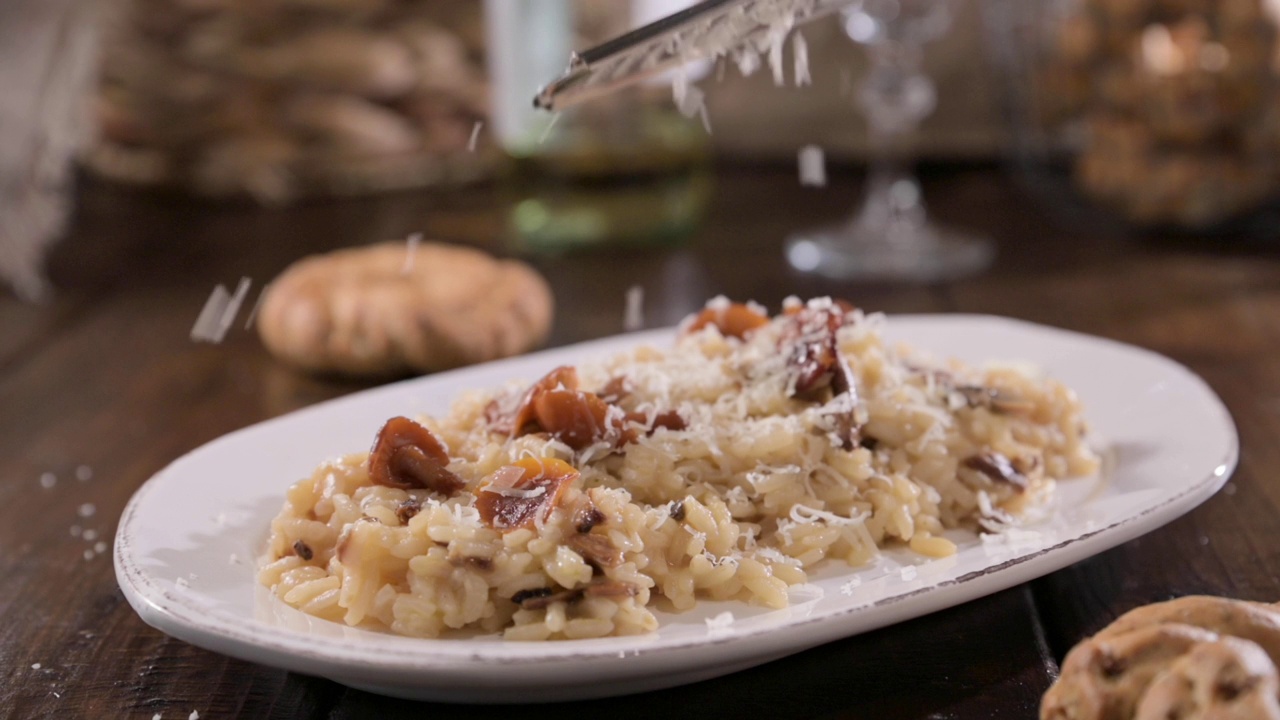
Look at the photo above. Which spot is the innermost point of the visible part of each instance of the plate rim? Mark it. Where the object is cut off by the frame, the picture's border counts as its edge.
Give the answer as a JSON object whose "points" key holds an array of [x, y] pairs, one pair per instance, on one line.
{"points": [[262, 642]]}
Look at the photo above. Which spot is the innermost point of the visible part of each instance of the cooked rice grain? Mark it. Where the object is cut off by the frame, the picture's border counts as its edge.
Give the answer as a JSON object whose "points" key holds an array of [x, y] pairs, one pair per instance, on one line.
{"points": [[763, 490]]}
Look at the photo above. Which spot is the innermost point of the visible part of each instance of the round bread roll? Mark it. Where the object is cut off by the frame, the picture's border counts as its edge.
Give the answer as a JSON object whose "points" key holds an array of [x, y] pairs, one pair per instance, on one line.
{"points": [[394, 308], [1193, 658]]}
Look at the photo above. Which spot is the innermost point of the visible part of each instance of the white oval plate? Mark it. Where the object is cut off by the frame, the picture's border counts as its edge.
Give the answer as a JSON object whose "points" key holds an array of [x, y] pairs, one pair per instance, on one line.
{"points": [[187, 543]]}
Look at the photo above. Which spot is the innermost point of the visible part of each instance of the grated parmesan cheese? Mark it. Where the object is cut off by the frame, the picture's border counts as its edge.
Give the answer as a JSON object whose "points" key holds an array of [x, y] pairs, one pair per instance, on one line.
{"points": [[777, 37], [48, 480], [803, 514], [219, 312], [634, 317], [721, 624], [813, 168], [546, 131], [410, 252], [86, 510], [849, 587], [232, 309], [747, 60], [800, 54], [253, 313], [84, 473]]}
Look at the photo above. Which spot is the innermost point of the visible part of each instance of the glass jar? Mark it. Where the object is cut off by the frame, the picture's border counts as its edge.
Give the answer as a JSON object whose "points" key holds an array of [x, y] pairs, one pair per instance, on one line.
{"points": [[621, 169], [1160, 112], [278, 99]]}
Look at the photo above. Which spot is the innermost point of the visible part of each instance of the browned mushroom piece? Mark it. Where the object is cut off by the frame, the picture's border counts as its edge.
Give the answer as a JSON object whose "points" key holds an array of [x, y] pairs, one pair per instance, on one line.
{"points": [[498, 418], [406, 455], [605, 587], [810, 340], [669, 419], [579, 419], [616, 390], [587, 516], [732, 320], [995, 400], [564, 377], [597, 550], [518, 495], [556, 406], [539, 598], [998, 468], [821, 371]]}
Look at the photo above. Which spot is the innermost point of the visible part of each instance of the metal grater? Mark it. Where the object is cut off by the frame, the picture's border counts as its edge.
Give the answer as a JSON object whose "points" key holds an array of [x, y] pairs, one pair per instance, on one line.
{"points": [[741, 29]]}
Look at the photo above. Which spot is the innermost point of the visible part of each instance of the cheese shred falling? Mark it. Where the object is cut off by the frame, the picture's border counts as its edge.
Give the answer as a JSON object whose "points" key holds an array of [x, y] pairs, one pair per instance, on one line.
{"points": [[800, 50], [634, 318], [813, 168], [410, 252], [219, 312]]}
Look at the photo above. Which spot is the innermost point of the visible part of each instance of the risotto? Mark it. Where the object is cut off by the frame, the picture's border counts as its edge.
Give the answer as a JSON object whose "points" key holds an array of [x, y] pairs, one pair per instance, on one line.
{"points": [[724, 467]]}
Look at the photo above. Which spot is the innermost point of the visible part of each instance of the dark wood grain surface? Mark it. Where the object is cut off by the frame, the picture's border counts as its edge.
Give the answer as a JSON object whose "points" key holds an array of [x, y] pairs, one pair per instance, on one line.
{"points": [[105, 378]]}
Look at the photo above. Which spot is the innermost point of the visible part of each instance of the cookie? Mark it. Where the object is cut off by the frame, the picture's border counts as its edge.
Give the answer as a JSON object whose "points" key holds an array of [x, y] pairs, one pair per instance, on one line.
{"points": [[1257, 622], [1193, 658], [1104, 678], [393, 308], [1228, 679]]}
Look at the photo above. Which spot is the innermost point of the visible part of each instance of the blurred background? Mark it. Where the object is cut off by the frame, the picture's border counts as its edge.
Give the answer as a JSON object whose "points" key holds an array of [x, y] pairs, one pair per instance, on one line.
{"points": [[1141, 115]]}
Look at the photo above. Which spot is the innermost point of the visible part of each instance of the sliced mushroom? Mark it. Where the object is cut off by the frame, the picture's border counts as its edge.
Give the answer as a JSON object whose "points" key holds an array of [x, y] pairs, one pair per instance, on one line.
{"points": [[995, 399], [586, 517], [406, 510], [605, 587], [517, 495], [564, 377], [997, 467], [669, 419], [617, 389], [579, 419], [810, 341], [407, 455], [732, 320], [820, 370], [595, 549], [539, 598]]}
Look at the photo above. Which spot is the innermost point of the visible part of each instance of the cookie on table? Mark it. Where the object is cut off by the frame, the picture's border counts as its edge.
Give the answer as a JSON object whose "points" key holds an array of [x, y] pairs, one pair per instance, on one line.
{"points": [[1193, 658], [391, 309]]}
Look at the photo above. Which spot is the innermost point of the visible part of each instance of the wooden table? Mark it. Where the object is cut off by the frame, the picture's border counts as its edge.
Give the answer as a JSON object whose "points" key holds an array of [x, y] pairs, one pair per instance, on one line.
{"points": [[105, 378]]}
